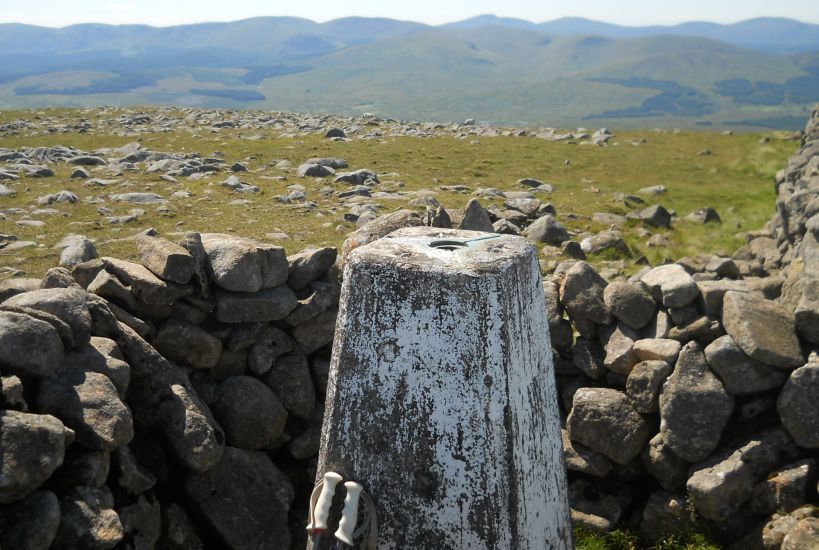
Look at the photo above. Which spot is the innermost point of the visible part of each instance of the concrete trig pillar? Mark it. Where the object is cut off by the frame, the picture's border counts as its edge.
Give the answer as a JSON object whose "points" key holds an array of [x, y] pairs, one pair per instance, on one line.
{"points": [[441, 399]]}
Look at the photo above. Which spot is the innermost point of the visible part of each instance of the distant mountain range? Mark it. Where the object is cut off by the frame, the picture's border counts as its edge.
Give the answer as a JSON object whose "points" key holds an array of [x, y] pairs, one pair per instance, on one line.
{"points": [[757, 73]]}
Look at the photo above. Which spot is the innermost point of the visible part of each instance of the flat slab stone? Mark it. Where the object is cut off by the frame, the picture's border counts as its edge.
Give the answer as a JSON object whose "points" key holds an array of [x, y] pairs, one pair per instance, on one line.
{"points": [[763, 329]]}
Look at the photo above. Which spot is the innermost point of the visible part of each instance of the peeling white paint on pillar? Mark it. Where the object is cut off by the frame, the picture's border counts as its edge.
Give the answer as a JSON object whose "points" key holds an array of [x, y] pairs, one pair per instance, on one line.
{"points": [[441, 398]]}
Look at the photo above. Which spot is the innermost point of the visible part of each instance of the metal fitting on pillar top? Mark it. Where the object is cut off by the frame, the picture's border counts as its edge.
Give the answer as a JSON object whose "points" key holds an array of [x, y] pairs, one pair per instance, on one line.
{"points": [[441, 398]]}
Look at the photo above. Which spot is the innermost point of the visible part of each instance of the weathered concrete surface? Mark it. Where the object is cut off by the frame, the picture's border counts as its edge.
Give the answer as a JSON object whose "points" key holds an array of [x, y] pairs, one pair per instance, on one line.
{"points": [[441, 399]]}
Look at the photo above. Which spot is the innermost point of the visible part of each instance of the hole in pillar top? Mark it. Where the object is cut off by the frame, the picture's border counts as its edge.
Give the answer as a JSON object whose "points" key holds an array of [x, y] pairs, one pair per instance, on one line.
{"points": [[448, 245]]}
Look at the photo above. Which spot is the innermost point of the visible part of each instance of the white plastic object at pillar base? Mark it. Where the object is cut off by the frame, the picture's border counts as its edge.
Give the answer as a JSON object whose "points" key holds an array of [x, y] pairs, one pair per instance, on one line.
{"points": [[325, 501], [349, 515], [441, 398]]}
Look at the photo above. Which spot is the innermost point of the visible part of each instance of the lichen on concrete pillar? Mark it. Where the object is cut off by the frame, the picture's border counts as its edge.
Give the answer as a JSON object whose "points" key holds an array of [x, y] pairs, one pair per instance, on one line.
{"points": [[441, 400]]}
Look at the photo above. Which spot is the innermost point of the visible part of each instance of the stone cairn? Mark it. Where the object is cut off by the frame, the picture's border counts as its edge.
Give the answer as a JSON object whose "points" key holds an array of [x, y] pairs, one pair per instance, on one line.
{"points": [[177, 403]]}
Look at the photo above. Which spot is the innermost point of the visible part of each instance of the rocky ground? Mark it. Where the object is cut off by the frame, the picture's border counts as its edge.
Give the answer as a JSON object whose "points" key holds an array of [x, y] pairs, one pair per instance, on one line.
{"points": [[174, 401]]}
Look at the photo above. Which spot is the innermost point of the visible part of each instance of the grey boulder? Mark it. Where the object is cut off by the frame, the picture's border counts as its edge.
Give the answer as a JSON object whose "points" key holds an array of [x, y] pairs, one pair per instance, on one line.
{"points": [[604, 420], [694, 407], [33, 447]]}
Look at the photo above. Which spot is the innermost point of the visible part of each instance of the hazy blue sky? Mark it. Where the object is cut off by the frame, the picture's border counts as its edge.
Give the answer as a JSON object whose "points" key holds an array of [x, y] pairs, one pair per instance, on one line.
{"points": [[628, 12]]}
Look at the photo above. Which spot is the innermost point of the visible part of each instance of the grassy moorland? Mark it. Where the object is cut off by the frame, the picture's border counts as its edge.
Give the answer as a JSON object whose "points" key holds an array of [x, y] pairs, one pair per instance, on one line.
{"points": [[735, 177]]}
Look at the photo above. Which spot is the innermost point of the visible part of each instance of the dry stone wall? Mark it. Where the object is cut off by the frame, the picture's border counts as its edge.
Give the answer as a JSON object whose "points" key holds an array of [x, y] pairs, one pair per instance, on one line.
{"points": [[170, 403], [176, 403], [690, 390]]}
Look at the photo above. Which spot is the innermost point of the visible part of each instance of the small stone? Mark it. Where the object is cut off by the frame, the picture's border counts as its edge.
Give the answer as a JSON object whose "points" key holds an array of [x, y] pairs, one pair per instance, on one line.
{"points": [[475, 218], [655, 216], [167, 260], [619, 345], [548, 230], [31, 523], [659, 349], [581, 293], [289, 378], [663, 465], [630, 304], [644, 384], [309, 265], [664, 514], [142, 523], [317, 333], [671, 285], [270, 304], [88, 520], [603, 420], [704, 215], [587, 355], [798, 406], [187, 344], [580, 458]]}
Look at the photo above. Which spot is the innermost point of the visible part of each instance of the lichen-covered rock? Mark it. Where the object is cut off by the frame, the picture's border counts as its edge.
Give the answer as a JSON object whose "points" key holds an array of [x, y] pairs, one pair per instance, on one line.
{"points": [[244, 265], [187, 344], [663, 465], [670, 285], [67, 304], [548, 230], [88, 403], [619, 345], [317, 333], [81, 466], [798, 405], [475, 218], [290, 379], [31, 523], [252, 416], [694, 407], [28, 346], [142, 283], [784, 490], [581, 293], [245, 481], [32, 447], [805, 534], [379, 227], [167, 260], [657, 349], [604, 420], [88, 520], [629, 303], [722, 484], [580, 458], [644, 383], [763, 329], [141, 523], [309, 265], [740, 374], [271, 304], [102, 356]]}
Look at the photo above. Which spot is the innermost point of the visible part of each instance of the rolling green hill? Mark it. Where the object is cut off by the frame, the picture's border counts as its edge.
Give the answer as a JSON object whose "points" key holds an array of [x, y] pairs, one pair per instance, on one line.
{"points": [[498, 70]]}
